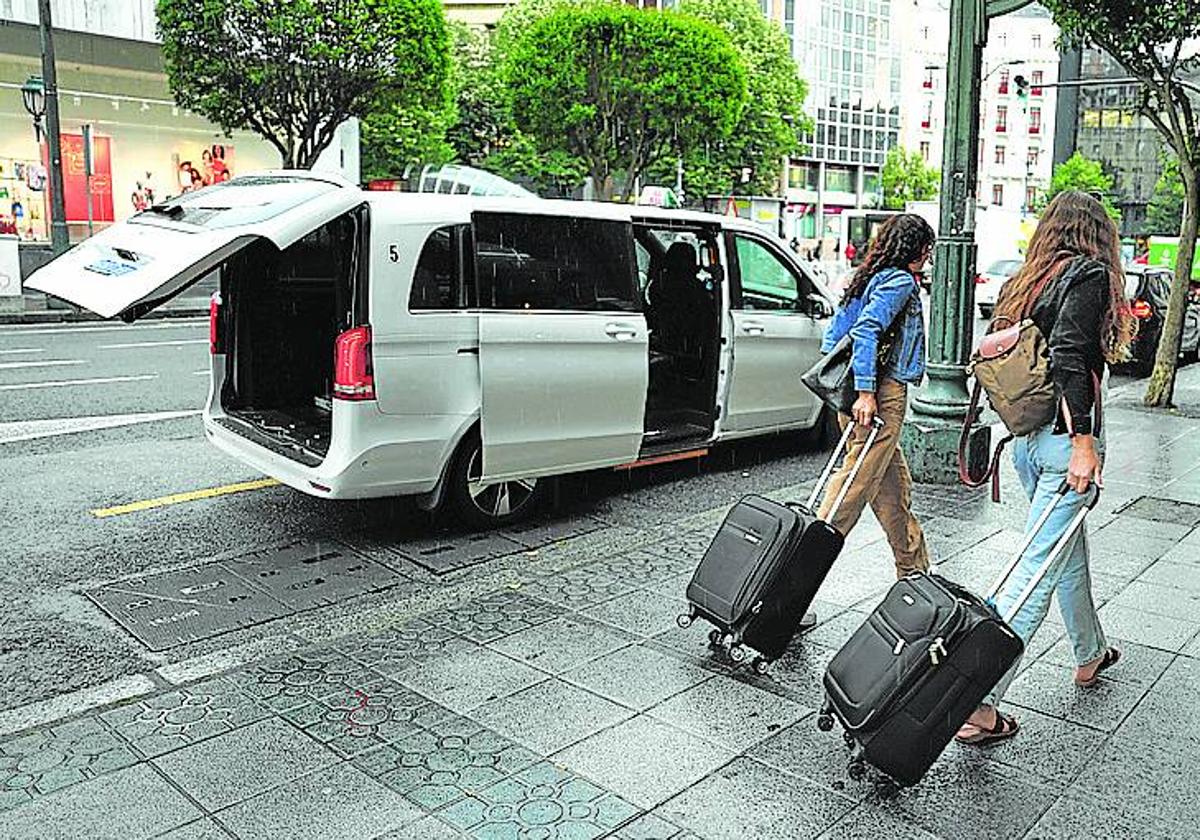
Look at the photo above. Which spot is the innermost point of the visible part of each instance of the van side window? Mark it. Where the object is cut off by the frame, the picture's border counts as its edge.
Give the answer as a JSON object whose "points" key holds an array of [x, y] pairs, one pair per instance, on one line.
{"points": [[767, 283], [554, 262], [438, 281]]}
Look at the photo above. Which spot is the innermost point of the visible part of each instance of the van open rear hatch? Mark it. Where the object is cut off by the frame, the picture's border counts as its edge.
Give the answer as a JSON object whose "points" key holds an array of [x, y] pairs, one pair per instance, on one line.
{"points": [[285, 320]]}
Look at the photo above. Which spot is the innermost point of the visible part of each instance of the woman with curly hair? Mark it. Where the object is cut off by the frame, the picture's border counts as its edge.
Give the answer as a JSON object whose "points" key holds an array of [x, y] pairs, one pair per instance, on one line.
{"points": [[1073, 288], [881, 312]]}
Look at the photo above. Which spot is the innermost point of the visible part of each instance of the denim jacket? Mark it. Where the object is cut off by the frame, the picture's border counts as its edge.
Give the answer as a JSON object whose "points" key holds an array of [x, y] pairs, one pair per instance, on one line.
{"points": [[867, 317]]}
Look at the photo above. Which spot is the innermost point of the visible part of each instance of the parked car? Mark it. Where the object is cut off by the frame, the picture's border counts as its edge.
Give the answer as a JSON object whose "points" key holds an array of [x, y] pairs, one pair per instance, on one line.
{"points": [[461, 349], [1149, 289], [988, 283]]}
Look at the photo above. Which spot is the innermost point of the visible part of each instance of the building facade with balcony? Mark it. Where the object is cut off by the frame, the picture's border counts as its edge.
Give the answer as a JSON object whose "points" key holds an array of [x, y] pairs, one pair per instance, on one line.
{"points": [[1016, 133]]}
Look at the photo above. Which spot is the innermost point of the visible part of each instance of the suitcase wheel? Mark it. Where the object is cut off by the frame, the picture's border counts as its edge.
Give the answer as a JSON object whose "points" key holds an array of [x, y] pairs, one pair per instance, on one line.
{"points": [[887, 788], [825, 722], [684, 620], [761, 665], [714, 637], [737, 653], [857, 770], [848, 738]]}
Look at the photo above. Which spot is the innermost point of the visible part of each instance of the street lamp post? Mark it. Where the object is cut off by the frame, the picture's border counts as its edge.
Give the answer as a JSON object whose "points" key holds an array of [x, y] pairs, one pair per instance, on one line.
{"points": [[59, 239], [939, 411]]}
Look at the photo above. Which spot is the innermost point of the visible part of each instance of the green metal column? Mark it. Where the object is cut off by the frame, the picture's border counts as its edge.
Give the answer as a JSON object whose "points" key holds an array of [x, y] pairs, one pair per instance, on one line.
{"points": [[939, 409]]}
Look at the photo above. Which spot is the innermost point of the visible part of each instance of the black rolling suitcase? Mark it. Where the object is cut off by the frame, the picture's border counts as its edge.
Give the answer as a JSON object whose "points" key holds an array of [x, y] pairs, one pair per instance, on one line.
{"points": [[764, 567], [911, 675]]}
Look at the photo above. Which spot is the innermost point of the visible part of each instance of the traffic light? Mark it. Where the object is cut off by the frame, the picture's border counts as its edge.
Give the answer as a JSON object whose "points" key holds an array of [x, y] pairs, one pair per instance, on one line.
{"points": [[1022, 89]]}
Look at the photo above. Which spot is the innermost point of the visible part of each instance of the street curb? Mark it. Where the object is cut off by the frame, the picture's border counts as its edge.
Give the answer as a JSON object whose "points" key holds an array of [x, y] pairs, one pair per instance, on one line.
{"points": [[70, 316]]}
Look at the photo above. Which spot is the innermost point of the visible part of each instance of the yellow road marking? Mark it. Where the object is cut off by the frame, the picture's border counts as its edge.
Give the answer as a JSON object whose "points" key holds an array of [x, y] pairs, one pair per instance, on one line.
{"points": [[179, 498]]}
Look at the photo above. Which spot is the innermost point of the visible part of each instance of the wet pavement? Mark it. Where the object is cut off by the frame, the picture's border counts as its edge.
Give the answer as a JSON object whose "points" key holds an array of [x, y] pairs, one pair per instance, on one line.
{"points": [[541, 688]]}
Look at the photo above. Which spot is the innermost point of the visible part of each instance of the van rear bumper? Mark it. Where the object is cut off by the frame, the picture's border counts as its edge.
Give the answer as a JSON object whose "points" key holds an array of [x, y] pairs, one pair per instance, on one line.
{"points": [[407, 467]]}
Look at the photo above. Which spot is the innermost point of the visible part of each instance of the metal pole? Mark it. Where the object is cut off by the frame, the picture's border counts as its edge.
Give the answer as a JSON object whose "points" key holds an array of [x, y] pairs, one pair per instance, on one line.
{"points": [[59, 238], [939, 410], [1066, 116], [87, 172]]}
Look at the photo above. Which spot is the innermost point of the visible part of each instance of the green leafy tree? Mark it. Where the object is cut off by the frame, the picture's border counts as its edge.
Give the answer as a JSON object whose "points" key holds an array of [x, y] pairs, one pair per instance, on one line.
{"points": [[1086, 175], [905, 178], [1164, 215], [772, 124], [1155, 43], [292, 70], [621, 87]]}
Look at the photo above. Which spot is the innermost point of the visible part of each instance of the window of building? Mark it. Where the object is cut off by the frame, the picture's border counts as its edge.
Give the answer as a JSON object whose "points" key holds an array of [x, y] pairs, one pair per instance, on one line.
{"points": [[1002, 118], [925, 34], [1004, 80], [1037, 40], [927, 115], [925, 150], [440, 281], [1035, 83], [839, 179], [998, 195], [803, 176], [1030, 197], [928, 83], [999, 155], [1035, 120], [528, 262], [1031, 158]]}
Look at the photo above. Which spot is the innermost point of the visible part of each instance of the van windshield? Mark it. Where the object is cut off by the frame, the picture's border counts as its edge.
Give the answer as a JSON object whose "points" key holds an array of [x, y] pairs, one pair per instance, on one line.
{"points": [[247, 200]]}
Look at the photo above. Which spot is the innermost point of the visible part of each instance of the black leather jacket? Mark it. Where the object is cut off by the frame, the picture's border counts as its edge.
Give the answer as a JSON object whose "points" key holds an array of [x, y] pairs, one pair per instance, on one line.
{"points": [[1070, 313]]}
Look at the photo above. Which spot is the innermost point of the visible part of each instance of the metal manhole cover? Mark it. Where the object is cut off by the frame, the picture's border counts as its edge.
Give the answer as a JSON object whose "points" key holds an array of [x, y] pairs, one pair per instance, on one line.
{"points": [[540, 533], [1163, 510], [445, 554], [305, 575], [174, 608]]}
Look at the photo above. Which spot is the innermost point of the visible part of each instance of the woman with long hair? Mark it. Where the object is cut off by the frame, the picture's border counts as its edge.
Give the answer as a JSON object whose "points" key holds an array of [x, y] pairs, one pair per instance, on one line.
{"points": [[881, 312], [1073, 288]]}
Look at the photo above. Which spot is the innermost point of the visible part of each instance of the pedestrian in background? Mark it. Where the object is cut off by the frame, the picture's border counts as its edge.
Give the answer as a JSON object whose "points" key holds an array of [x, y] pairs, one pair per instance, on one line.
{"points": [[1073, 288], [881, 311]]}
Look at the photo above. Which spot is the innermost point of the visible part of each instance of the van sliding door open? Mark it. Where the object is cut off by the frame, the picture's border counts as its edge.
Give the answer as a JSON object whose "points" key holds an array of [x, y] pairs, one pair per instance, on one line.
{"points": [[563, 344]]}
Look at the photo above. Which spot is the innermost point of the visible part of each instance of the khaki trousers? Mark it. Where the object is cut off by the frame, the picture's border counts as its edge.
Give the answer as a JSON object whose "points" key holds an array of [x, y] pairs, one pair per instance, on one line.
{"points": [[883, 482]]}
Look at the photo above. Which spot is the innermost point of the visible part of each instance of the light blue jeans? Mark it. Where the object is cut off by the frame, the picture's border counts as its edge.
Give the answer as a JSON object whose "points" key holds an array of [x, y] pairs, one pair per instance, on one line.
{"points": [[1041, 460]]}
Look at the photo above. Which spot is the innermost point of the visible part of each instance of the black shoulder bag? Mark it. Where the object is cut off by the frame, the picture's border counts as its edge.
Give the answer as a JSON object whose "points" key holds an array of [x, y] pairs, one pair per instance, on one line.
{"points": [[832, 377]]}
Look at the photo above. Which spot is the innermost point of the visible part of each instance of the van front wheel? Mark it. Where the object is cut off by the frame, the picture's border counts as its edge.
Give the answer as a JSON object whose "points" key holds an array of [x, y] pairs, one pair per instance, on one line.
{"points": [[481, 505]]}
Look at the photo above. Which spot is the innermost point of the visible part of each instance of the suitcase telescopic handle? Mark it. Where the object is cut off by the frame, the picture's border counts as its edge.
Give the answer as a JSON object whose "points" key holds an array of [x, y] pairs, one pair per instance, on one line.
{"points": [[843, 444], [1059, 495]]}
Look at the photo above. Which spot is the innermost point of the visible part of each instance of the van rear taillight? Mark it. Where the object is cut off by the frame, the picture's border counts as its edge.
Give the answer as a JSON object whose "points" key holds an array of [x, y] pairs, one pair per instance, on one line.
{"points": [[214, 323], [353, 372]]}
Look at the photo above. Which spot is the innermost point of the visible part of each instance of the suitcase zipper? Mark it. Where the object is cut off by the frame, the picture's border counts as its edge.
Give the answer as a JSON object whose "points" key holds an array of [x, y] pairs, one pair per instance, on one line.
{"points": [[937, 649]]}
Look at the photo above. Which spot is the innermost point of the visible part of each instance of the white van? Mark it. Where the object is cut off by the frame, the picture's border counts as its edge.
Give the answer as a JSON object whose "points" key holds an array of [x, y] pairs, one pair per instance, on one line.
{"points": [[461, 348]]}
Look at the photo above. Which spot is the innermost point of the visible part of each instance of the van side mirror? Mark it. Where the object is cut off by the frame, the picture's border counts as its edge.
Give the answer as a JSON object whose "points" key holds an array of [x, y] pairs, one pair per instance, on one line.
{"points": [[819, 307]]}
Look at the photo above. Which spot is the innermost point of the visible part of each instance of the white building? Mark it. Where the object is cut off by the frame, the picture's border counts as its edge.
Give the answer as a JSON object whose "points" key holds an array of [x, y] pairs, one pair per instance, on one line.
{"points": [[1016, 138]]}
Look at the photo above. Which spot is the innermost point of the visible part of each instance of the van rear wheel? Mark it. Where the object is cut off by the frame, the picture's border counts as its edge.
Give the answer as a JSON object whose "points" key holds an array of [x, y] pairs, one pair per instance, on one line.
{"points": [[481, 505]]}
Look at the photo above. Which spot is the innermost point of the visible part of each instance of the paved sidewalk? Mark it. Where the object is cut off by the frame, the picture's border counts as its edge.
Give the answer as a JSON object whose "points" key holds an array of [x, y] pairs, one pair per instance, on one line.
{"points": [[567, 704]]}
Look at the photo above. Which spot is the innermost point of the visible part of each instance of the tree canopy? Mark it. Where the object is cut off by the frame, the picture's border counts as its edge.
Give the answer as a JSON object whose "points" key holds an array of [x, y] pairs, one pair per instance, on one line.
{"points": [[293, 70], [620, 87], [906, 177], [1086, 175], [1164, 215], [773, 122]]}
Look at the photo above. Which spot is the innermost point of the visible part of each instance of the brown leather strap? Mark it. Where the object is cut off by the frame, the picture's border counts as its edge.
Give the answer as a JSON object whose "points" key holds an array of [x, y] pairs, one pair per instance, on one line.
{"points": [[964, 468]]}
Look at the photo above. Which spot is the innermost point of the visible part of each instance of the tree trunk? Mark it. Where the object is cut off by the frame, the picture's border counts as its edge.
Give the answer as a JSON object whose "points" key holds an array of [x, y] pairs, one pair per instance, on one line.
{"points": [[1161, 388]]}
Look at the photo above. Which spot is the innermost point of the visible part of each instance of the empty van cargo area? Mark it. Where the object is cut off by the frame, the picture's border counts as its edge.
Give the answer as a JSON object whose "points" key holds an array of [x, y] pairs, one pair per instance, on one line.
{"points": [[280, 314]]}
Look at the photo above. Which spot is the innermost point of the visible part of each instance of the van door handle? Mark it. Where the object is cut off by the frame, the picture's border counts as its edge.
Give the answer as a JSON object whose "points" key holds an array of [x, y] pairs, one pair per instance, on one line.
{"points": [[621, 332], [753, 328]]}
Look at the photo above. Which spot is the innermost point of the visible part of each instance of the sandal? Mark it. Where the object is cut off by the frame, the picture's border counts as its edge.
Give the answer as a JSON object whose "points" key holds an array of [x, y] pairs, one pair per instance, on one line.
{"points": [[1111, 657], [1004, 727]]}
